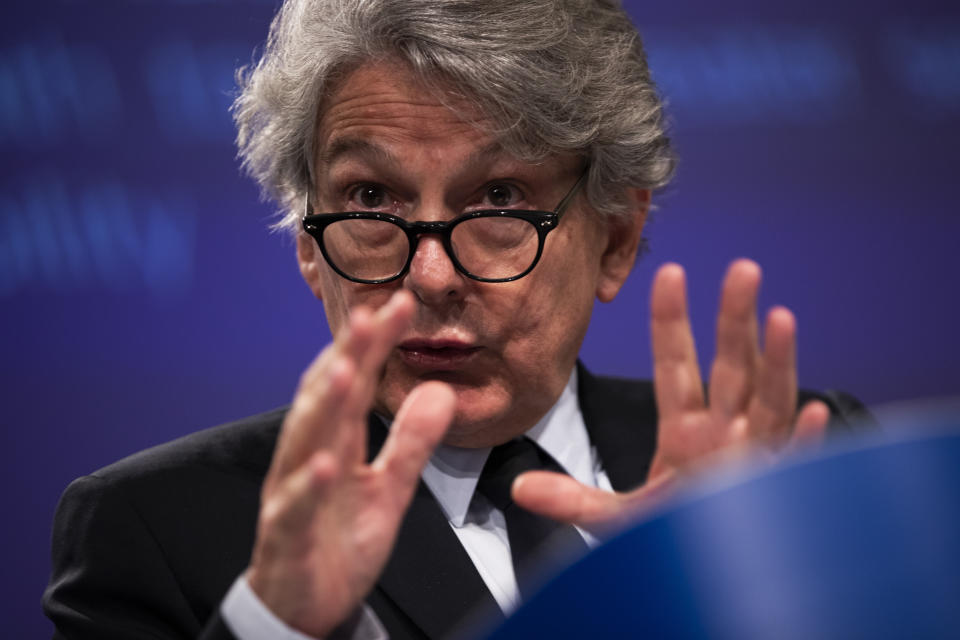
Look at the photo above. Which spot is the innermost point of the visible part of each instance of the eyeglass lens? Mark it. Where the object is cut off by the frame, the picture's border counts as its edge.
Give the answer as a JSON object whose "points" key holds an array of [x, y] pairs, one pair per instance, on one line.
{"points": [[492, 247]]}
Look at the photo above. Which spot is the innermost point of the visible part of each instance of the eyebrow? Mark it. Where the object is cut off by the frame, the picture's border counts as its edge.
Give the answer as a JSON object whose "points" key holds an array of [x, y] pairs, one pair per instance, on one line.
{"points": [[355, 147]]}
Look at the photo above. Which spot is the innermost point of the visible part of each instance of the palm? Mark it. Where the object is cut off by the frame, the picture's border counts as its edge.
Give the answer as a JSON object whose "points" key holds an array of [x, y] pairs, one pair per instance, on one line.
{"points": [[352, 537]]}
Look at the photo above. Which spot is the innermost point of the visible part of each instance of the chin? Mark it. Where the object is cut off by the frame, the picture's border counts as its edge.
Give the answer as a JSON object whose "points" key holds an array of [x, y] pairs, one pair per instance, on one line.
{"points": [[478, 424], [484, 416], [473, 435]]}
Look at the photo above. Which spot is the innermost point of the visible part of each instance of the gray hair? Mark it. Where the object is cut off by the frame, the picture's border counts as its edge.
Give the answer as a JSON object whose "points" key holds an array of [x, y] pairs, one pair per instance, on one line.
{"points": [[553, 75]]}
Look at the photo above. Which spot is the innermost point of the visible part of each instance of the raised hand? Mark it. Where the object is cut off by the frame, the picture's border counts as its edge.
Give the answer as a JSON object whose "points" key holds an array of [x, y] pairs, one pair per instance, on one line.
{"points": [[752, 399], [753, 394], [328, 520]]}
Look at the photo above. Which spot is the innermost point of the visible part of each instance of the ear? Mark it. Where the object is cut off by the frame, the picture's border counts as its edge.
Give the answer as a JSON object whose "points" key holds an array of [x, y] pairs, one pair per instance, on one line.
{"points": [[623, 234], [309, 264]]}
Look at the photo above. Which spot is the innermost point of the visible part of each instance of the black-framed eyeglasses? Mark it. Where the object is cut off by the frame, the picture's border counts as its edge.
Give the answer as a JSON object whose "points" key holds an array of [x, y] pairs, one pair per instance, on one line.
{"points": [[489, 245]]}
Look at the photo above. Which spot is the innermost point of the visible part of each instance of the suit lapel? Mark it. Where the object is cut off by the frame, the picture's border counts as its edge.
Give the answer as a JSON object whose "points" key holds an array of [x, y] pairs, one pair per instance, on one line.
{"points": [[621, 418], [429, 575]]}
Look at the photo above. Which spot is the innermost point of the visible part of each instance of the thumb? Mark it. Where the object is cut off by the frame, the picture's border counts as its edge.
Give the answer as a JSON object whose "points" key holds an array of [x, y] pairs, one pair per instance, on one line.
{"points": [[421, 423], [562, 498]]}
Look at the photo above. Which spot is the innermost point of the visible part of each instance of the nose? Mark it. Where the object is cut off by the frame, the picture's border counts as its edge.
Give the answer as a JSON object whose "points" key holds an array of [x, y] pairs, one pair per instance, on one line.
{"points": [[432, 276]]}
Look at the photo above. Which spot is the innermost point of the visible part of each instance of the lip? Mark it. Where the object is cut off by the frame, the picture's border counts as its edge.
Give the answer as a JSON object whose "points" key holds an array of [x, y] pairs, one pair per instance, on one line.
{"points": [[437, 354]]}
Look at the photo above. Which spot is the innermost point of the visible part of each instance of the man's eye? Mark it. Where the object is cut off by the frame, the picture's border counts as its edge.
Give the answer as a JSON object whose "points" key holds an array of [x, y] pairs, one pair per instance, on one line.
{"points": [[369, 196], [502, 195]]}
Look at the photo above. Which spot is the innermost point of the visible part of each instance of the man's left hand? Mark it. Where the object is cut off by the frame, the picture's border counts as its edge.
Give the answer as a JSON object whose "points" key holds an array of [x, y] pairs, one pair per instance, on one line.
{"points": [[752, 401]]}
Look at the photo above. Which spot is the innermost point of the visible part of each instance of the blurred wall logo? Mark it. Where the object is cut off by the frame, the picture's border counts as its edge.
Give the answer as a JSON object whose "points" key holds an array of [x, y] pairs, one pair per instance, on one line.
{"points": [[191, 88], [926, 64], [103, 237], [756, 75], [48, 89]]}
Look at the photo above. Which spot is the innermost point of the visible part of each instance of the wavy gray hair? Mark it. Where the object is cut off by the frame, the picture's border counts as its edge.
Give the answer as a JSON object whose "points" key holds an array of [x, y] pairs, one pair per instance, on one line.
{"points": [[553, 75]]}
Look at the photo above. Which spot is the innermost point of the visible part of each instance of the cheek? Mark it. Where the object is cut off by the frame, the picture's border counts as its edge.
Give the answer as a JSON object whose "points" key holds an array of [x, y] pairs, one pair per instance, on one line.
{"points": [[340, 296], [335, 305], [551, 318], [546, 327]]}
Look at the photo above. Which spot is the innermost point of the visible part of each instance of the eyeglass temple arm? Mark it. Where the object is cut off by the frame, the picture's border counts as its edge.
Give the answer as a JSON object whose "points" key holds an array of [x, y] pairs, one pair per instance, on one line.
{"points": [[573, 192]]}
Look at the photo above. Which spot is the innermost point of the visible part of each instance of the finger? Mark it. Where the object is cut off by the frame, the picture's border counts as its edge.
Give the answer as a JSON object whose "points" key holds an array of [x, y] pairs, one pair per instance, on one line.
{"points": [[676, 374], [734, 368], [772, 410], [421, 423], [350, 343], [386, 325], [336, 391], [560, 497], [324, 388], [810, 428], [314, 414]]}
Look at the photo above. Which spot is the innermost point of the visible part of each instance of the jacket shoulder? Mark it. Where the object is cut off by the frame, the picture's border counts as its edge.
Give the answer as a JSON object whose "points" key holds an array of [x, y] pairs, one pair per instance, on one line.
{"points": [[241, 447], [847, 413], [152, 542]]}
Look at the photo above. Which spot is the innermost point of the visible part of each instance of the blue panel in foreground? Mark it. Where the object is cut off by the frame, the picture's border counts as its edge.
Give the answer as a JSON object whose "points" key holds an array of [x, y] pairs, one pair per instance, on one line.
{"points": [[860, 543]]}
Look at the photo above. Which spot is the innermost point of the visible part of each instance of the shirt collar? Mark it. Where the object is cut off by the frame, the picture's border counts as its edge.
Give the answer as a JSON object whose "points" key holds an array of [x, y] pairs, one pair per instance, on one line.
{"points": [[452, 473]]}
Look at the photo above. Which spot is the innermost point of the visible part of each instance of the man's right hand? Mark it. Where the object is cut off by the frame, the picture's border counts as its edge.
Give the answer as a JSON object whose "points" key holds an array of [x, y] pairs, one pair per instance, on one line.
{"points": [[328, 520]]}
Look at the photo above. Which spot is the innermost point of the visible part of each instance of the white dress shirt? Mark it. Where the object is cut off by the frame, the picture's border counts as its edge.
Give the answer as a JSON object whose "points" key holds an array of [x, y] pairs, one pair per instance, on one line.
{"points": [[451, 475]]}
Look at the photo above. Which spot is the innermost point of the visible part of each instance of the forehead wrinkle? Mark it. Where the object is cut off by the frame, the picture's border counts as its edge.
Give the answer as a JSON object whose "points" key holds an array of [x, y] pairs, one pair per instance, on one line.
{"points": [[388, 109], [367, 126], [369, 150]]}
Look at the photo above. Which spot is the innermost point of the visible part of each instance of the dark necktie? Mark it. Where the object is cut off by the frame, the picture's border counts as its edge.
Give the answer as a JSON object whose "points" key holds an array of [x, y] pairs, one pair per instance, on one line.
{"points": [[533, 538]]}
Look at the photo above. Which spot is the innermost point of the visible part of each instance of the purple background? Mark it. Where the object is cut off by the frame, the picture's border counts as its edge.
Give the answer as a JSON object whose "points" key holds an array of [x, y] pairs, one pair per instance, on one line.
{"points": [[142, 297]]}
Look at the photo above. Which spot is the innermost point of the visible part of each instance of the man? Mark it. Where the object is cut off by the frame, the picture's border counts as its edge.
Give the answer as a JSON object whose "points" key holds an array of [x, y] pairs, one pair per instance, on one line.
{"points": [[464, 179]]}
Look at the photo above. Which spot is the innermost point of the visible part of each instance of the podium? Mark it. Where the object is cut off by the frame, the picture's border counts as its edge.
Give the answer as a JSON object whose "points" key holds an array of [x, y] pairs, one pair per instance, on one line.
{"points": [[862, 541]]}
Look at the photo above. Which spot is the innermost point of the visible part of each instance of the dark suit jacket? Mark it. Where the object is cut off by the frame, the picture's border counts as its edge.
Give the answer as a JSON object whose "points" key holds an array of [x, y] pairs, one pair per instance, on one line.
{"points": [[148, 547]]}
